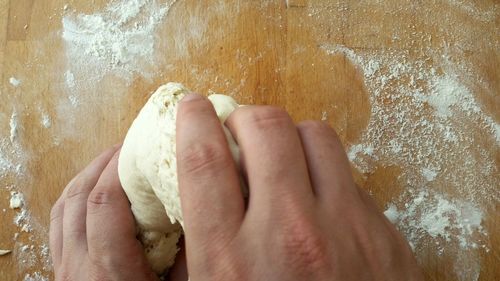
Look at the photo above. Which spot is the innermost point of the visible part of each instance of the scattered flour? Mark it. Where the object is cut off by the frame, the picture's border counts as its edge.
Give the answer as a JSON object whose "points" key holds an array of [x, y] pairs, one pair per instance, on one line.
{"points": [[443, 218], [447, 93], [14, 82], [22, 220], [429, 174], [430, 132], [4, 252], [392, 214], [46, 122], [471, 9], [12, 158], [120, 39], [13, 126], [35, 276], [70, 79], [16, 200], [73, 100], [496, 130], [5, 165], [324, 116]]}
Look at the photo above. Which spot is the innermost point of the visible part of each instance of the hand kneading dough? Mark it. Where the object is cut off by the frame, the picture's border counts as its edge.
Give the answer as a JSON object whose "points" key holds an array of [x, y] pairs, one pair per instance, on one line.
{"points": [[148, 171]]}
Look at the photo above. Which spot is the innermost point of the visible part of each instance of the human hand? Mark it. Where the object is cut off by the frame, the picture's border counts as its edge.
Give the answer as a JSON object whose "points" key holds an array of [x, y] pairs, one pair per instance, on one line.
{"points": [[92, 229], [305, 219]]}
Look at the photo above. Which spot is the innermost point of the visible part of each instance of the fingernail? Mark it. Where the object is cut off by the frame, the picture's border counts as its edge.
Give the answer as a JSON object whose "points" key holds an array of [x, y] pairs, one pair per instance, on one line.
{"points": [[191, 97]]}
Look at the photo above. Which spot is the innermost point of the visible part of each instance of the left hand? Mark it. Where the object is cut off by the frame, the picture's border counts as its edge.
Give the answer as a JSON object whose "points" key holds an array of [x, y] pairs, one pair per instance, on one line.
{"points": [[92, 229]]}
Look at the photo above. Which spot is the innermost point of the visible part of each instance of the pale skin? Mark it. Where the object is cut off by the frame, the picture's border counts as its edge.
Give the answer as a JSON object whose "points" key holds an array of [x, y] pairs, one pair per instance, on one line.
{"points": [[305, 219]]}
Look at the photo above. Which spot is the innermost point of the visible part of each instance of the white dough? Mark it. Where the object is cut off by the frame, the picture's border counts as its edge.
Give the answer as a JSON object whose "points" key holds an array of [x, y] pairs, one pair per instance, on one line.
{"points": [[148, 171]]}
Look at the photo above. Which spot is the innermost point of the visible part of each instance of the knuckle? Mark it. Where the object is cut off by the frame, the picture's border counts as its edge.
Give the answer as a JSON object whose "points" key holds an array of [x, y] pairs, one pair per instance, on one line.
{"points": [[97, 199], [207, 157], [76, 193], [263, 117], [79, 188], [56, 212], [317, 128]]}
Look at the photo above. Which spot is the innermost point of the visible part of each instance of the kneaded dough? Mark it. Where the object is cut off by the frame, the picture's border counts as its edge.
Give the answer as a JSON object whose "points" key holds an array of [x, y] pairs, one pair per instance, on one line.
{"points": [[148, 171]]}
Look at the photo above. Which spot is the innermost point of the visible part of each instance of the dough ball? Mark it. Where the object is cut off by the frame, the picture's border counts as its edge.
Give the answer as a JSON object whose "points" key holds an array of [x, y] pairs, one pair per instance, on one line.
{"points": [[148, 171]]}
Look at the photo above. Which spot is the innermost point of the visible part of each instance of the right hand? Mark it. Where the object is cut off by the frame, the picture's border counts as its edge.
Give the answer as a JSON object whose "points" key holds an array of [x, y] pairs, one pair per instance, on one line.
{"points": [[305, 219]]}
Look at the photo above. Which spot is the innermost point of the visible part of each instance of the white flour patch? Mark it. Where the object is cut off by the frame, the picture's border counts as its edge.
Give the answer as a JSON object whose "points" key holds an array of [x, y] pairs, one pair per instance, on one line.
{"points": [[14, 81], [471, 9], [31, 252], [16, 200], [69, 78], [5, 164], [452, 227], [45, 121], [73, 100], [447, 93], [5, 252], [22, 220], [496, 131], [35, 276], [429, 174], [13, 123], [118, 40], [392, 213], [12, 158]]}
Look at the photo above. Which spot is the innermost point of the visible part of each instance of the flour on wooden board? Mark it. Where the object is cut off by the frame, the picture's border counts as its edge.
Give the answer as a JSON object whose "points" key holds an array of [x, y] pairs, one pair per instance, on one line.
{"points": [[69, 77], [16, 200], [35, 276], [13, 125], [5, 252], [32, 251], [14, 81], [432, 151], [46, 121], [119, 40]]}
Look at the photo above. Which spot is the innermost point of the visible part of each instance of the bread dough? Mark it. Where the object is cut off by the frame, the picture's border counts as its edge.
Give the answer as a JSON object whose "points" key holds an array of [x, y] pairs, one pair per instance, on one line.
{"points": [[148, 171]]}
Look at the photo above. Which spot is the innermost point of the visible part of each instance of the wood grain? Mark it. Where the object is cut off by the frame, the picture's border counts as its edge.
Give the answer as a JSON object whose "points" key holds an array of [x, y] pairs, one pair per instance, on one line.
{"points": [[260, 52]]}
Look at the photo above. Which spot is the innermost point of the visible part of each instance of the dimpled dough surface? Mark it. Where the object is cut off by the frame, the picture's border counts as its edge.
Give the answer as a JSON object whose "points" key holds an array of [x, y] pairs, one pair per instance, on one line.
{"points": [[148, 171]]}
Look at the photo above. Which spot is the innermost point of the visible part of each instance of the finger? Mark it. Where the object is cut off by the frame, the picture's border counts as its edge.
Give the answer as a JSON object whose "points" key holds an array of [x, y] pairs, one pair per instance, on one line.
{"points": [[328, 165], [208, 180], [111, 233], [75, 203], [272, 155], [56, 233], [179, 271], [56, 228]]}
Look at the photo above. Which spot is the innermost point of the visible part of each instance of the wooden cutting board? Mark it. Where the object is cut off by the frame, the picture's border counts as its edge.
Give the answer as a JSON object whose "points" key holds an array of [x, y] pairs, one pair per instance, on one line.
{"points": [[318, 59]]}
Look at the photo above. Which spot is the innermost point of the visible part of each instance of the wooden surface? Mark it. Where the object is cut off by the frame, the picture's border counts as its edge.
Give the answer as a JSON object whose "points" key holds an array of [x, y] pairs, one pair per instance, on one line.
{"points": [[261, 52]]}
